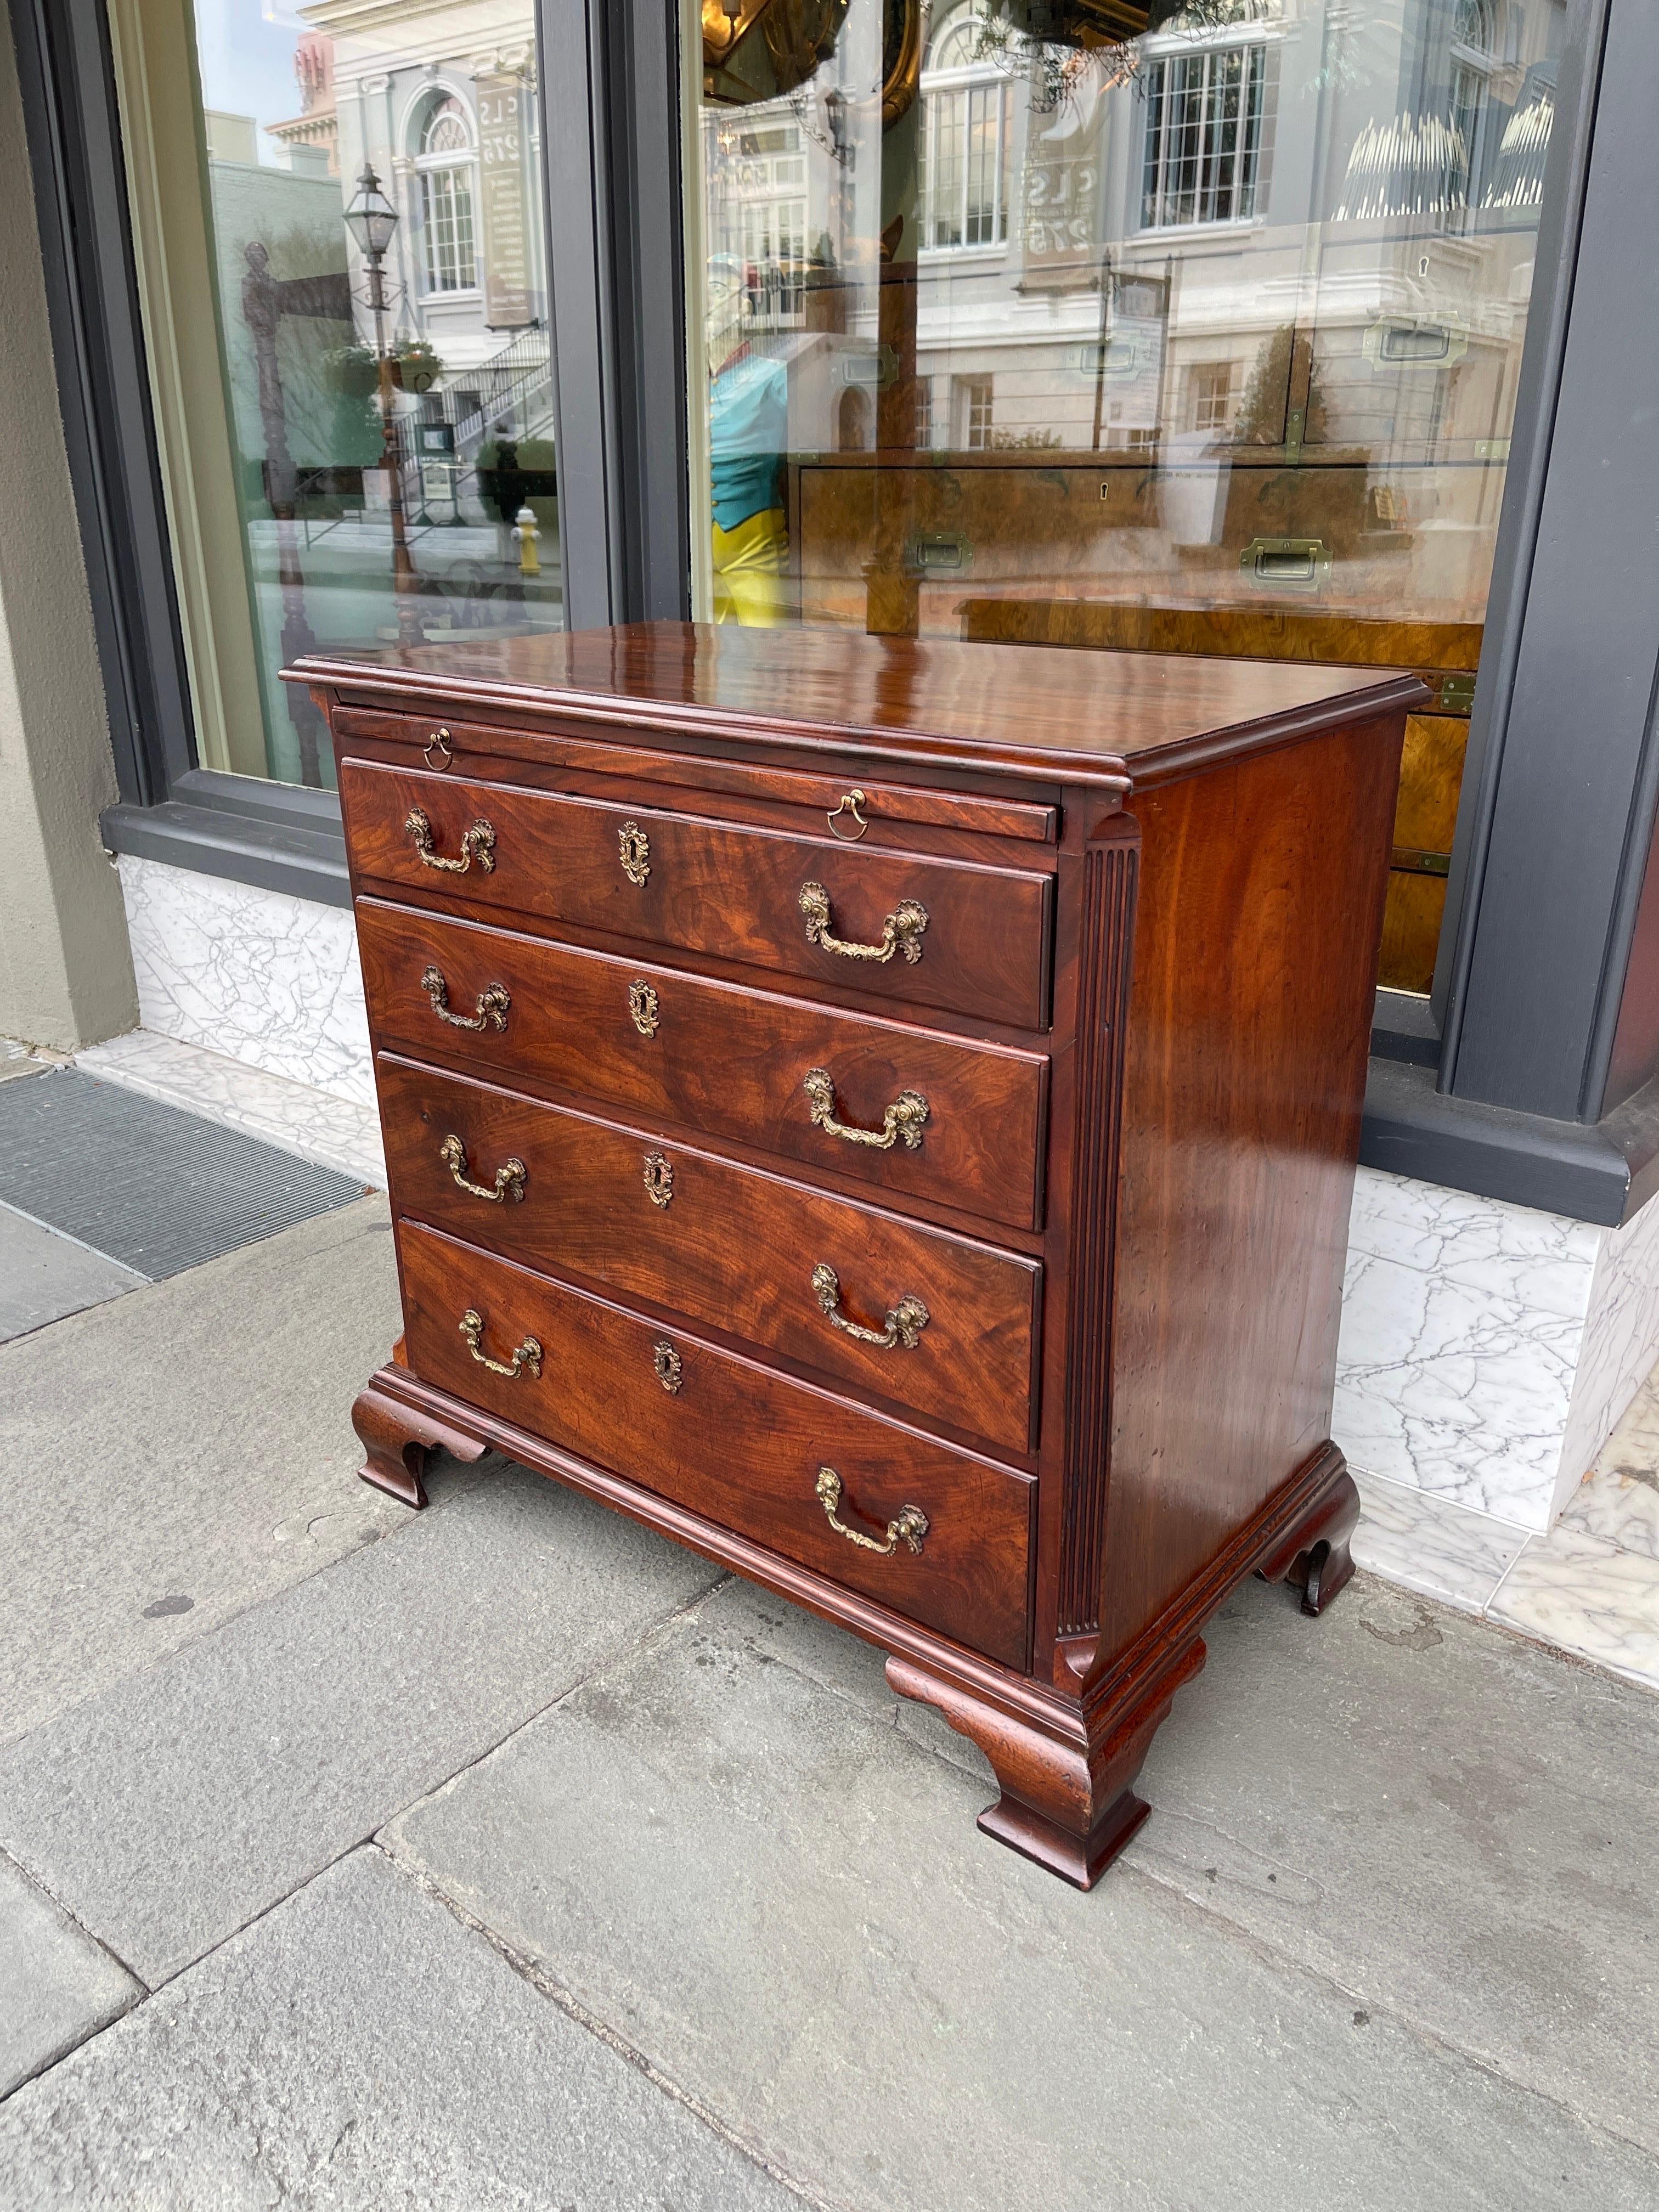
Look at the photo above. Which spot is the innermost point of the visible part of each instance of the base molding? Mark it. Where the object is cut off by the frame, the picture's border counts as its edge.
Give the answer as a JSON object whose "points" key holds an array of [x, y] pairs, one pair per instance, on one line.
{"points": [[1066, 1759]]}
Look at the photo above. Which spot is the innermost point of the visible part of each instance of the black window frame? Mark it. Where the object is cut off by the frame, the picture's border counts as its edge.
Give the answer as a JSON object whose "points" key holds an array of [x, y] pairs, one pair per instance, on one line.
{"points": [[1498, 1083]]}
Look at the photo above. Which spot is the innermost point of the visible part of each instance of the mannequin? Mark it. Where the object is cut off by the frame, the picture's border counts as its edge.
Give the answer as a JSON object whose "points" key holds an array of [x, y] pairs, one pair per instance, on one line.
{"points": [[748, 437]]}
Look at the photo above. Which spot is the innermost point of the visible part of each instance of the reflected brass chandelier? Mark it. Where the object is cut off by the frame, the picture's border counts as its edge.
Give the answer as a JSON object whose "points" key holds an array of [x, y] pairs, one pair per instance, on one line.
{"points": [[796, 37]]}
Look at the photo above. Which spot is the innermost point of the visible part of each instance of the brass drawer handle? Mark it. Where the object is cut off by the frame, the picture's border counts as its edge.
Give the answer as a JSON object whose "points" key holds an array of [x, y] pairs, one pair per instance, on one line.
{"points": [[850, 803], [509, 1176], [478, 843], [908, 1527], [900, 932], [492, 1003], [635, 848], [438, 743], [900, 1124], [529, 1353], [903, 1326]]}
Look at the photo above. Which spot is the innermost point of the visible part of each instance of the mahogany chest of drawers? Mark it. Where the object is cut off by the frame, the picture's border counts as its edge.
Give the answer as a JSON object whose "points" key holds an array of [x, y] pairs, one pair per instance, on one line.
{"points": [[885, 1113]]}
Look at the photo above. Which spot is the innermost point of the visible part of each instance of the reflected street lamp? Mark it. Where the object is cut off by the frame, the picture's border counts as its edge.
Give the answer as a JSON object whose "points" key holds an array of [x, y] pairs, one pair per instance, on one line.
{"points": [[371, 218]]}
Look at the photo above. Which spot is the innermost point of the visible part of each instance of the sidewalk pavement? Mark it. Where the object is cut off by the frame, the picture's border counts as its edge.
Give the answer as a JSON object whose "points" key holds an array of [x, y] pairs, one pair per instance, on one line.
{"points": [[507, 1856]]}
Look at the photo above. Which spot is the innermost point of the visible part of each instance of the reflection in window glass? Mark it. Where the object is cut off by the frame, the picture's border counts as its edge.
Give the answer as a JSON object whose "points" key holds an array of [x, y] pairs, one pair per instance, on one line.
{"points": [[1204, 342], [374, 257]]}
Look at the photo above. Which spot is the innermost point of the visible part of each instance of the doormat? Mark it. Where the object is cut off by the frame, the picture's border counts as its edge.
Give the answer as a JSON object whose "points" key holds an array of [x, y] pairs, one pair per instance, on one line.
{"points": [[151, 1186]]}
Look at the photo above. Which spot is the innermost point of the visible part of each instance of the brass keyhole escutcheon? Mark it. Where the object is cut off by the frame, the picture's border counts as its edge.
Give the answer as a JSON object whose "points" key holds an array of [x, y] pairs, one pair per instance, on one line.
{"points": [[670, 1367], [659, 1178], [634, 847], [642, 1007]]}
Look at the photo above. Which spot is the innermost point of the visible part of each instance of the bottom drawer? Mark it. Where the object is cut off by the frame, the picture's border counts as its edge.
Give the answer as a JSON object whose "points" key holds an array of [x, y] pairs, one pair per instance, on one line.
{"points": [[729, 1439]]}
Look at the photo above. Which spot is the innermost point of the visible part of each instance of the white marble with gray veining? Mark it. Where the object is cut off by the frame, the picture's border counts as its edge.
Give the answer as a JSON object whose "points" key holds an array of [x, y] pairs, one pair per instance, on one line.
{"points": [[1589, 1597], [1442, 1550], [1462, 1325], [1619, 1500], [334, 1132], [252, 975], [1621, 1343]]}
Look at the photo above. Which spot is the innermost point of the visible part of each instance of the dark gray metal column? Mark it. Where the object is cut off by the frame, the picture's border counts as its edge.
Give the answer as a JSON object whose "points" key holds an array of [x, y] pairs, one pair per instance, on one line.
{"points": [[1558, 801], [611, 124]]}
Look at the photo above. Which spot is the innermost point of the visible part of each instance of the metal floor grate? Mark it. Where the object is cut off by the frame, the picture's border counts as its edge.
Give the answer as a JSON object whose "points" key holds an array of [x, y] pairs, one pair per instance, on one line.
{"points": [[157, 1189]]}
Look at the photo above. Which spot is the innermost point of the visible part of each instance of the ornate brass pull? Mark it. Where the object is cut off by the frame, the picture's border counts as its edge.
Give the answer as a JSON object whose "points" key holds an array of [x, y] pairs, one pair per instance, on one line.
{"points": [[529, 1353], [849, 804], [634, 847], [659, 1178], [478, 843], [900, 932], [642, 1007], [670, 1367], [908, 1527], [901, 1124], [509, 1176], [492, 1004], [903, 1326]]}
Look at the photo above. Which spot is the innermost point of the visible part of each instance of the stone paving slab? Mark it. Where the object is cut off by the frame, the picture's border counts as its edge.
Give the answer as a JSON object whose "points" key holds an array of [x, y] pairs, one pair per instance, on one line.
{"points": [[780, 1897], [57, 1986], [174, 1456], [1455, 1825], [358, 2051], [43, 1275], [170, 1809]]}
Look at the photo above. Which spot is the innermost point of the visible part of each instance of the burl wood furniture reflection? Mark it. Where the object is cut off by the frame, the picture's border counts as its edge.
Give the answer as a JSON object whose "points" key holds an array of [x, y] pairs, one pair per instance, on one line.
{"points": [[884, 1113]]}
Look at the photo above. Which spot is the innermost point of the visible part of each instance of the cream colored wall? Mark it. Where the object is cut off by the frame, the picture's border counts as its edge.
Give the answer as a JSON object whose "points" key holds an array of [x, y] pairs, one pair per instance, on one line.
{"points": [[66, 968]]}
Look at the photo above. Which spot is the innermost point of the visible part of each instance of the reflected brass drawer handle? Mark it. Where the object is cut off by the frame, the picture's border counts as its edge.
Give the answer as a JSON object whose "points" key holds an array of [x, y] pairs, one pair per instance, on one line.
{"points": [[509, 1176], [478, 843], [492, 1004], [529, 1353], [900, 932], [908, 1527], [903, 1326], [901, 1124]]}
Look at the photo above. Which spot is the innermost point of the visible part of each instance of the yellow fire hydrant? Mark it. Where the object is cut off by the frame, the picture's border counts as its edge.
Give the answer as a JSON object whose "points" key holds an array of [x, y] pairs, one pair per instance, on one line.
{"points": [[527, 532]]}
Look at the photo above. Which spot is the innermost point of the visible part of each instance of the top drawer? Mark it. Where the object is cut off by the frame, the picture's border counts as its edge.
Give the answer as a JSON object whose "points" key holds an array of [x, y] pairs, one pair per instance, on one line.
{"points": [[930, 932]]}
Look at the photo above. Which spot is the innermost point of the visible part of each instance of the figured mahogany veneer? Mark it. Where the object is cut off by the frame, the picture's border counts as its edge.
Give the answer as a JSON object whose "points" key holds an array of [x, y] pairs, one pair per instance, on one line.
{"points": [[682, 1230], [1024, 1411], [728, 1438], [718, 1057], [706, 887]]}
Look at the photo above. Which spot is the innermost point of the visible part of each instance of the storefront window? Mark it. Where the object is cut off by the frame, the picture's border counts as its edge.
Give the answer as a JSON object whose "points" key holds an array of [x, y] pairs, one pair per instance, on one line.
{"points": [[343, 266], [1203, 342]]}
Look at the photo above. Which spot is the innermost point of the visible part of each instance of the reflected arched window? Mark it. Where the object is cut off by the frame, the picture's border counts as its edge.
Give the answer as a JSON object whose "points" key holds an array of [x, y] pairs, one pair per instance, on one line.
{"points": [[1484, 37], [964, 132], [447, 163]]}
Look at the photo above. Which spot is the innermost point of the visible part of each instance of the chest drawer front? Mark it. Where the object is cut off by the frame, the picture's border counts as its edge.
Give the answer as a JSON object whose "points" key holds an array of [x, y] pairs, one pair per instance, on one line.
{"points": [[928, 932], [730, 1440], [952, 1119], [955, 1323]]}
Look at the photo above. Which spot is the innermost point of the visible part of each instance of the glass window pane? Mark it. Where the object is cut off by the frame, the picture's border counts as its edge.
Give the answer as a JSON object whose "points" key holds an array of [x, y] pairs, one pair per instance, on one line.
{"points": [[1207, 341], [348, 228]]}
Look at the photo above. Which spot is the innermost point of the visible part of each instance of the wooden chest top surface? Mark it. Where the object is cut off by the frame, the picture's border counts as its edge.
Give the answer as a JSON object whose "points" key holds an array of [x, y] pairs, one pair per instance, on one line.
{"points": [[1032, 712]]}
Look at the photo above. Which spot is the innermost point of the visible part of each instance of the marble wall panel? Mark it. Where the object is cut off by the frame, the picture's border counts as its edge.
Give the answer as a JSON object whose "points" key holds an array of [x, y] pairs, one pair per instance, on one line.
{"points": [[255, 975], [1463, 1323], [1621, 1344]]}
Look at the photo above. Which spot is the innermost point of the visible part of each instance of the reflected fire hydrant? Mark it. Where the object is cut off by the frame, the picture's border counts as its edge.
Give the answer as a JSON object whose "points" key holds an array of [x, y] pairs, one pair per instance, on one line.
{"points": [[527, 532]]}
